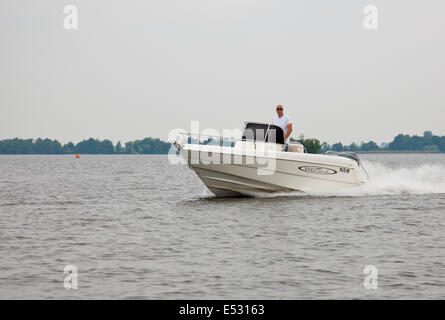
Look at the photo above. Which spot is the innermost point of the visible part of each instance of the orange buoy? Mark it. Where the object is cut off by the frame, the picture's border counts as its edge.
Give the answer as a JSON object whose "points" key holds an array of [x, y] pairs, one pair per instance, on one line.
{"points": [[77, 156]]}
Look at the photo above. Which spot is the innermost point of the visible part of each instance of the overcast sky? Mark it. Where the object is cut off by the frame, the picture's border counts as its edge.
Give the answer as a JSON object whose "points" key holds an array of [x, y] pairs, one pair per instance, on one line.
{"points": [[136, 69]]}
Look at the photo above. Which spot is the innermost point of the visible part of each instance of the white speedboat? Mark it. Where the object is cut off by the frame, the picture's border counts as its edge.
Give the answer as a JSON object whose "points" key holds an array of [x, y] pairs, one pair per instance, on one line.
{"points": [[258, 163]]}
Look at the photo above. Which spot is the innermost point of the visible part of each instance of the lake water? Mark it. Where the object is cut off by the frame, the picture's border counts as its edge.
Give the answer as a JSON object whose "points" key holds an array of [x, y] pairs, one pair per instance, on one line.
{"points": [[138, 227]]}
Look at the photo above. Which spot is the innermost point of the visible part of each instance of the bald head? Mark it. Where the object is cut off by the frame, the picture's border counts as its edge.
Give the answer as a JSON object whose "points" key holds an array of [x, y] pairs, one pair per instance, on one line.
{"points": [[280, 110]]}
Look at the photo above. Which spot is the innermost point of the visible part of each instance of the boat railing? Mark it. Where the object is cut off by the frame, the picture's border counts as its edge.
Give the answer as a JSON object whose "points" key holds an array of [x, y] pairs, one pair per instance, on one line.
{"points": [[205, 139], [215, 140], [349, 155]]}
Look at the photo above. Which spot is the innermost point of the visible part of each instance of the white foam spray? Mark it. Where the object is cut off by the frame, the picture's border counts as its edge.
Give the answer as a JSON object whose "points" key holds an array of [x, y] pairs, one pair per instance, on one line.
{"points": [[422, 179]]}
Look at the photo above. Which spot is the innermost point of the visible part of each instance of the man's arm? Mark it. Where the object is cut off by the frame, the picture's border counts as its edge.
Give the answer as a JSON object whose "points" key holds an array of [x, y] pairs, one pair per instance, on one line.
{"points": [[289, 131]]}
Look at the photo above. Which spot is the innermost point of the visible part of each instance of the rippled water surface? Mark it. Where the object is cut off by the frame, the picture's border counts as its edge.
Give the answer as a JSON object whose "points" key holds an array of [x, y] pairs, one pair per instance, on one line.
{"points": [[139, 227]]}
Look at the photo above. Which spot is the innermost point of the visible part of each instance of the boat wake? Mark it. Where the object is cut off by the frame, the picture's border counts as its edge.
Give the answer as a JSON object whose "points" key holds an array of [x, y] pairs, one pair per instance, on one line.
{"points": [[420, 180]]}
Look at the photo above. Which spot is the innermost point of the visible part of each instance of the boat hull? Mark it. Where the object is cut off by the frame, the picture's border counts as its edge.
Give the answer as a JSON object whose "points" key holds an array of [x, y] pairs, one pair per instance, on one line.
{"points": [[238, 173]]}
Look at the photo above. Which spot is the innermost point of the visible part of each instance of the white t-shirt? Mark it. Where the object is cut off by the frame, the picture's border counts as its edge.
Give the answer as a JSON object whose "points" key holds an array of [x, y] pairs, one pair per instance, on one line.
{"points": [[282, 123]]}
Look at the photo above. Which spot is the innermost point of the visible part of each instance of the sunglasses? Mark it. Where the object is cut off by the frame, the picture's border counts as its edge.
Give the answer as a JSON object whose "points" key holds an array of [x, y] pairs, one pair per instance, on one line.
{"points": [[279, 109]]}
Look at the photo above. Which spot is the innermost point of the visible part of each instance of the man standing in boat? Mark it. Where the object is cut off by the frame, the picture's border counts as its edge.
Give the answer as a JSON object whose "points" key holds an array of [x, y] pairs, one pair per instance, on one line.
{"points": [[284, 122]]}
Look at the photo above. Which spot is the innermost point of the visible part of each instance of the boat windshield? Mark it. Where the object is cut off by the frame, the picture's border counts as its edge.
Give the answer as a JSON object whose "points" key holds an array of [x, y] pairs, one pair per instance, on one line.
{"points": [[263, 132]]}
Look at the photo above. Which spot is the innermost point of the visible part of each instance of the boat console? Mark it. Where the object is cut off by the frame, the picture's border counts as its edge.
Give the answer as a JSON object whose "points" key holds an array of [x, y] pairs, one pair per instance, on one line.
{"points": [[261, 133]]}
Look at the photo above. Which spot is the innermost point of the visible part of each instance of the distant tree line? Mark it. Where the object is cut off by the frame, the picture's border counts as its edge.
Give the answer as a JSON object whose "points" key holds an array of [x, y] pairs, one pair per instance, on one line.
{"points": [[89, 146], [426, 143]]}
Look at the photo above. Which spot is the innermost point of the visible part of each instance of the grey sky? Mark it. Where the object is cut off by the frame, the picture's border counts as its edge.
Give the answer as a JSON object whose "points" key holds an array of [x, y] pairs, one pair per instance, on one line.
{"points": [[141, 68]]}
